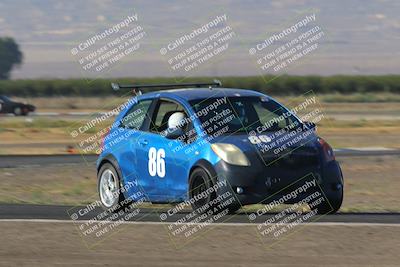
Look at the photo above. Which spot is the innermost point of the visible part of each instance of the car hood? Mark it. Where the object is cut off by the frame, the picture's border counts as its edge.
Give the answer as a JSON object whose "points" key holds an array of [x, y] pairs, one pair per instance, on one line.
{"points": [[30, 107], [275, 143]]}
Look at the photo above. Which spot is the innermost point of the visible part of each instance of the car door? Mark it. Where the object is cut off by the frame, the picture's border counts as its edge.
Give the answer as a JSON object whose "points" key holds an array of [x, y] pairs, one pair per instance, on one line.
{"points": [[163, 165], [5, 105], [125, 143]]}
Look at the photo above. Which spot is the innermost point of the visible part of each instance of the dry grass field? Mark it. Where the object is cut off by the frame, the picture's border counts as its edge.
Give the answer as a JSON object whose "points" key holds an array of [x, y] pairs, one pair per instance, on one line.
{"points": [[371, 184]]}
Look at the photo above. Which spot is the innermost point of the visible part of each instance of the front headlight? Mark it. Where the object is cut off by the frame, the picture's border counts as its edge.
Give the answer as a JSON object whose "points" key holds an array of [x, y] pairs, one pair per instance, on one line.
{"points": [[230, 154]]}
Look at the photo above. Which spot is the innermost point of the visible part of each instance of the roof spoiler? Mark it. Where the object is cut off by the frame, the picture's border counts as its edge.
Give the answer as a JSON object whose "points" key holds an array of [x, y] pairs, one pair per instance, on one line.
{"points": [[136, 87]]}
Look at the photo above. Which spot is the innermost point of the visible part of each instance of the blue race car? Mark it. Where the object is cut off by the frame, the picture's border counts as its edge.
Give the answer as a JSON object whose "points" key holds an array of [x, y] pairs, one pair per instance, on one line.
{"points": [[176, 145]]}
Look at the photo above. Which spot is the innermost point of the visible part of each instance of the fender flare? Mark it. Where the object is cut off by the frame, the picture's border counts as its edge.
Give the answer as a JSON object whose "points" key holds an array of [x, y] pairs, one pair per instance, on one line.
{"points": [[207, 166], [111, 159]]}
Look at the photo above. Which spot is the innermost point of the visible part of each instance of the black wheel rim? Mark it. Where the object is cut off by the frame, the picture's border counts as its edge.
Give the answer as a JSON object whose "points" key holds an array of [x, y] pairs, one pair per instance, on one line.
{"points": [[199, 186]]}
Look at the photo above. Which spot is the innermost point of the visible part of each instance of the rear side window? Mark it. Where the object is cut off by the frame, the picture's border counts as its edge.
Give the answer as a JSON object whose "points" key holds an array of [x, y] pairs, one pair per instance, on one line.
{"points": [[134, 118]]}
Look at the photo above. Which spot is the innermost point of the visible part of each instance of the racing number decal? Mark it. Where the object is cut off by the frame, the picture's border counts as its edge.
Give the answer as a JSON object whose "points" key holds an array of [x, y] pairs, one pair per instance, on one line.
{"points": [[156, 162], [259, 139], [161, 163]]}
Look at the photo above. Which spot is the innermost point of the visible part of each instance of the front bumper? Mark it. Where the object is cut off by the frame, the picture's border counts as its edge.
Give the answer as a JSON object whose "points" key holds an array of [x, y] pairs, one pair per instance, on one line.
{"points": [[263, 184]]}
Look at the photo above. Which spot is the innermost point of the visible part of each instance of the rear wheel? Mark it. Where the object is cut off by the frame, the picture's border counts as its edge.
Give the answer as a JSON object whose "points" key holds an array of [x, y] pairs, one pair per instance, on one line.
{"points": [[109, 186]]}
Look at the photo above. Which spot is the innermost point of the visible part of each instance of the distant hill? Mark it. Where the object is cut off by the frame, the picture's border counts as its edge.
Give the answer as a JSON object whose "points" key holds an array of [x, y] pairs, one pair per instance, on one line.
{"points": [[362, 36]]}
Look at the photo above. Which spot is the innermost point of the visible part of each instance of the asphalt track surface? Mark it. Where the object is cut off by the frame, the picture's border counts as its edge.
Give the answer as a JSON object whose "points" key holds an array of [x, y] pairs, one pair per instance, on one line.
{"points": [[57, 212], [11, 161]]}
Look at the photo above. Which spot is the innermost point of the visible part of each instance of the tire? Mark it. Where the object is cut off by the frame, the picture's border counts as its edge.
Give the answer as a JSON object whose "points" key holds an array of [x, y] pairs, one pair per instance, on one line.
{"points": [[110, 182], [17, 111], [335, 204], [233, 208], [200, 181]]}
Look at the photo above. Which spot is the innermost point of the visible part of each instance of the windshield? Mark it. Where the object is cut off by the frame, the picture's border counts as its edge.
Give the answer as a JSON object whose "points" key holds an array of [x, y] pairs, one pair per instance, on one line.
{"points": [[243, 114], [5, 98]]}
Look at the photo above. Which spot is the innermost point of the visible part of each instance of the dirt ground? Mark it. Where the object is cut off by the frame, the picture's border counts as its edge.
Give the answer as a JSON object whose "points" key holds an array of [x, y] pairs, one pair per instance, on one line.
{"points": [[372, 184], [50, 244]]}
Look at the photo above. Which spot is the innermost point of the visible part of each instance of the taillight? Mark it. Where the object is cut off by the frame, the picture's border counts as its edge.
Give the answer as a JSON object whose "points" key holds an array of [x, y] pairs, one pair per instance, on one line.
{"points": [[327, 150]]}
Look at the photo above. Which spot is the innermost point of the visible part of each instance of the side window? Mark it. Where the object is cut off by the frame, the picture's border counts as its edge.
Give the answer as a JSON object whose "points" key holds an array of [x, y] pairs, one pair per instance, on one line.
{"points": [[163, 112], [134, 118], [160, 119]]}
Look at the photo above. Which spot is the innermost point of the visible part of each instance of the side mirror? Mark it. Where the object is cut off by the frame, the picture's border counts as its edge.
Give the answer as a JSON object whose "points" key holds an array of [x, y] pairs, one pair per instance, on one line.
{"points": [[174, 133], [308, 125]]}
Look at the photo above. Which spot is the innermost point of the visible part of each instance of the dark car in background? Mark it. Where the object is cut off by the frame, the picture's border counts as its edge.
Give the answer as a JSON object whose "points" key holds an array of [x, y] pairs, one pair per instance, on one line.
{"points": [[9, 106]]}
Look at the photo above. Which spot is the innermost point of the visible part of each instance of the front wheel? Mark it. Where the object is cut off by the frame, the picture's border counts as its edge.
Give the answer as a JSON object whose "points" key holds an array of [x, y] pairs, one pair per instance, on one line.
{"points": [[17, 111], [199, 183], [333, 206]]}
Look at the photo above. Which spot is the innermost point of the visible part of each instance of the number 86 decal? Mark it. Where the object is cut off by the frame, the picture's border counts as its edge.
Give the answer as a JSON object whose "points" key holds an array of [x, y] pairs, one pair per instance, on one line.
{"points": [[156, 162]]}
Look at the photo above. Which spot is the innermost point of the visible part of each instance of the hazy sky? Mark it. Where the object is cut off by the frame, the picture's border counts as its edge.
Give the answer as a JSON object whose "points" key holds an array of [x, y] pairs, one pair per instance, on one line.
{"points": [[359, 36]]}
